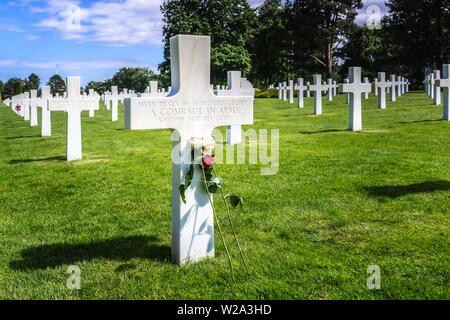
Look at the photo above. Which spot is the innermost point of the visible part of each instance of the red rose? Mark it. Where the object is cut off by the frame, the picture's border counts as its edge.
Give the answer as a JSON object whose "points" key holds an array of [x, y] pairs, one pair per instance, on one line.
{"points": [[208, 161]]}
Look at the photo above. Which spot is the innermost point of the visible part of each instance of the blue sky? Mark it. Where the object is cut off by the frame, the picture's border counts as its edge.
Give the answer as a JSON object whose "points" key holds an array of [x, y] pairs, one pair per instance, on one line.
{"points": [[91, 39]]}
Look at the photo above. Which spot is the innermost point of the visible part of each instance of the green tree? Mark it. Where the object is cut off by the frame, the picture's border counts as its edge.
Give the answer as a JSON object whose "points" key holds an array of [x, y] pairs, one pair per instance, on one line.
{"points": [[12, 87], [32, 82], [100, 86], [230, 24], [57, 84], [363, 47], [2, 88], [133, 78], [415, 36], [319, 28], [271, 50], [18, 87]]}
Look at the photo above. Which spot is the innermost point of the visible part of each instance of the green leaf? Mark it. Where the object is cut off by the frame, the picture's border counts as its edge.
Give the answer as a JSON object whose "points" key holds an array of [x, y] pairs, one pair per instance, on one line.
{"points": [[189, 176], [235, 200], [182, 189], [212, 187]]}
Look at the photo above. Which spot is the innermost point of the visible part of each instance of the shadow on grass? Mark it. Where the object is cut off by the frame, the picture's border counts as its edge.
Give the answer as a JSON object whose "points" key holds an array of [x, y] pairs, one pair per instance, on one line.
{"points": [[60, 158], [420, 121], [323, 131], [121, 248], [398, 191], [23, 137]]}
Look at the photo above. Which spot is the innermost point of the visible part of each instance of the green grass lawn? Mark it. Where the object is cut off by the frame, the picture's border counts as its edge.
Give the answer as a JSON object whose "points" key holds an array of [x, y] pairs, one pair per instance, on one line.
{"points": [[340, 202]]}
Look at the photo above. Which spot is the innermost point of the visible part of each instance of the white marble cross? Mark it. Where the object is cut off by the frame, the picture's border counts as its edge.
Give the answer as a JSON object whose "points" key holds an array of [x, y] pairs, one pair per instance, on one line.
{"points": [[33, 108], [437, 89], [92, 95], [381, 86], [114, 97], [393, 84], [317, 87], [399, 86], [444, 83], [308, 92], [355, 88], [432, 85], [153, 90], [335, 88], [73, 106], [193, 111], [301, 88], [26, 105], [284, 91], [330, 89], [291, 91], [280, 91], [366, 94], [375, 87], [46, 128], [347, 96], [234, 132]]}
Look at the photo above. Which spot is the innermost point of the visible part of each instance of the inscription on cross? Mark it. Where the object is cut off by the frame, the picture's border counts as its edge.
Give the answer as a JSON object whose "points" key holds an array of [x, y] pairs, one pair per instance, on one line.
{"points": [[192, 111]]}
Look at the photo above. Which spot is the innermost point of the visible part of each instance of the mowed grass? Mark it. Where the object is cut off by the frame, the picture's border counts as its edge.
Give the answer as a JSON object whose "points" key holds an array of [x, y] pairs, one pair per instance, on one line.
{"points": [[340, 202]]}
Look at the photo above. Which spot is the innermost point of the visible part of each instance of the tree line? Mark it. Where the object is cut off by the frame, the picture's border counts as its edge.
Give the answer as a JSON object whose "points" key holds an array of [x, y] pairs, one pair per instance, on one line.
{"points": [[282, 40]]}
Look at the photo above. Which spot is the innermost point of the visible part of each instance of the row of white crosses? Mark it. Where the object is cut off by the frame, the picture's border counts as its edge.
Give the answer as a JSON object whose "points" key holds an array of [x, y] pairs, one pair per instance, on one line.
{"points": [[73, 104], [191, 110], [330, 86]]}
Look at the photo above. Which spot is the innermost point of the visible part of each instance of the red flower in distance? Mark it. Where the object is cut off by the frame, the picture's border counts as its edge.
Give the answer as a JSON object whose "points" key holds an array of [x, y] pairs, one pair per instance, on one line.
{"points": [[208, 161]]}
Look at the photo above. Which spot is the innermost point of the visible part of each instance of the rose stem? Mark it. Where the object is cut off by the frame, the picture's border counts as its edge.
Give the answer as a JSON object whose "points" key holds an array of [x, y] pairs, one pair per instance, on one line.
{"points": [[232, 226], [218, 224]]}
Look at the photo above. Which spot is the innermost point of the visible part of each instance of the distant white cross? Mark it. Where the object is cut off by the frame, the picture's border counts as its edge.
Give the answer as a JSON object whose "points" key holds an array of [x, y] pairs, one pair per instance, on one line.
{"points": [[393, 84], [301, 88], [330, 89], [73, 106], [444, 83], [34, 101], [234, 132], [437, 88], [381, 86], [355, 88], [291, 91], [317, 87]]}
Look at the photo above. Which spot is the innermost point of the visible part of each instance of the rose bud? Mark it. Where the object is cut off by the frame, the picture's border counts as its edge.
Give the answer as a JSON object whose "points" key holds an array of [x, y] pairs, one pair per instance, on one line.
{"points": [[208, 161]]}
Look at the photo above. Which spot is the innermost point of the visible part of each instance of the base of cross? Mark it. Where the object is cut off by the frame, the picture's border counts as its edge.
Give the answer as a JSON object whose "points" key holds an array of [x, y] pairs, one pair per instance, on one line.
{"points": [[193, 221]]}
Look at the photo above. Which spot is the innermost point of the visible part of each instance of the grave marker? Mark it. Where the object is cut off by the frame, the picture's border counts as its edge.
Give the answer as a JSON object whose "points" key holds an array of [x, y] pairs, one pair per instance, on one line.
{"points": [[33, 108], [317, 88], [355, 89], [301, 88], [381, 86], [73, 106], [437, 89], [444, 83], [192, 111], [393, 84]]}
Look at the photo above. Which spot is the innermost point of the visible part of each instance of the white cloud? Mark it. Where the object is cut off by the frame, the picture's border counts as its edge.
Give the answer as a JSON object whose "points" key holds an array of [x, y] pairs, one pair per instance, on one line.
{"points": [[73, 65], [11, 28], [121, 22]]}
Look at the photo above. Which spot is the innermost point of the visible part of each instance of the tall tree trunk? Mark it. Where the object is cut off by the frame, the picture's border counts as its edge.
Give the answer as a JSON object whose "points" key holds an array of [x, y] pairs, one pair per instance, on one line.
{"points": [[330, 60]]}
